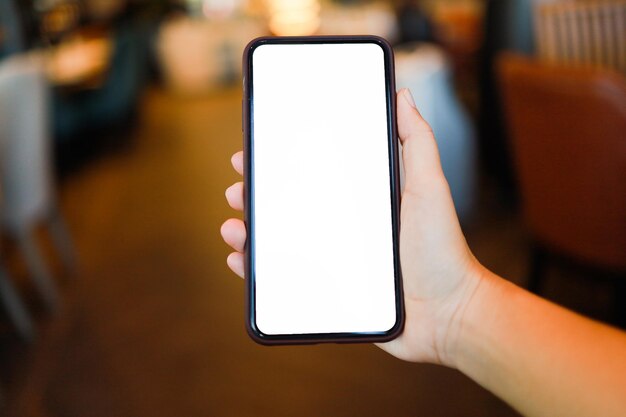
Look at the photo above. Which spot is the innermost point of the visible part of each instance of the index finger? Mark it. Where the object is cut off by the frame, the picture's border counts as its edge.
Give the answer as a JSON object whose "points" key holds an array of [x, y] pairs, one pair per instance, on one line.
{"points": [[237, 161], [419, 148]]}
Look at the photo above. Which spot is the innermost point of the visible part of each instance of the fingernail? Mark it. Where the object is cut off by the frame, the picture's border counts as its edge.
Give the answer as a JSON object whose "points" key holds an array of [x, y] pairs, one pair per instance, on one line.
{"points": [[409, 97]]}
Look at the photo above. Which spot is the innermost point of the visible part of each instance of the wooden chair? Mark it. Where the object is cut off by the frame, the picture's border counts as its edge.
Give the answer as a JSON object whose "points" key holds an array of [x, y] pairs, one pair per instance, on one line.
{"points": [[568, 132]]}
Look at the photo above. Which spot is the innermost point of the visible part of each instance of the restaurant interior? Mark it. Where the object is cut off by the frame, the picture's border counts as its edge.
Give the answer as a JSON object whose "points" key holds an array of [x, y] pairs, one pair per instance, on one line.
{"points": [[118, 119]]}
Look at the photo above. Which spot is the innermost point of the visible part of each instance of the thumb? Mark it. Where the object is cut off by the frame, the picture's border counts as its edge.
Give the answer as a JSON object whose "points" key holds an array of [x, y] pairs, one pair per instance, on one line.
{"points": [[419, 148]]}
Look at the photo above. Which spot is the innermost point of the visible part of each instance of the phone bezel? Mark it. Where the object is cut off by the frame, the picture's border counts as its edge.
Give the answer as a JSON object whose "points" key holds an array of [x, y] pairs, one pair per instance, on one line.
{"points": [[247, 111]]}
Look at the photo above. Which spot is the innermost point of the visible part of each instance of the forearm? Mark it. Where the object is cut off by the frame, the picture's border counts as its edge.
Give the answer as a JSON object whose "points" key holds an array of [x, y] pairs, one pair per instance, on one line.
{"points": [[539, 357]]}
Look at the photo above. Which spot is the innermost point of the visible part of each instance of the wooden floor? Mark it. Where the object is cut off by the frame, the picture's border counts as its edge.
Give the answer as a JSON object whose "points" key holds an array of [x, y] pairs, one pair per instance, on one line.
{"points": [[153, 324]]}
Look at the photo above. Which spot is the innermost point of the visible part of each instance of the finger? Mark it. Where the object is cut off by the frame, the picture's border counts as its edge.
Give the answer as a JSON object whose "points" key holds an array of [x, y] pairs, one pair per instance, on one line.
{"points": [[419, 148], [234, 196], [237, 161], [235, 262], [234, 234]]}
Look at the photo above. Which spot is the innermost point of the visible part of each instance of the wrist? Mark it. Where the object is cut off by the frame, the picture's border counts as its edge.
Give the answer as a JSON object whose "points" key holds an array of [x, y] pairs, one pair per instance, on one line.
{"points": [[478, 325], [476, 305]]}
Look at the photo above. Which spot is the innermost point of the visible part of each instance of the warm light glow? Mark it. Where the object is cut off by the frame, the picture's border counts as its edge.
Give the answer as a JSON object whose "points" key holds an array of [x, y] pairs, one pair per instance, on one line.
{"points": [[219, 9], [294, 17]]}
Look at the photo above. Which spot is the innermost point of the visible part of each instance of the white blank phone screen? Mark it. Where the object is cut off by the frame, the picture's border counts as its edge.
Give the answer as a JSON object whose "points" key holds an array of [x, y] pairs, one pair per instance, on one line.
{"points": [[322, 199]]}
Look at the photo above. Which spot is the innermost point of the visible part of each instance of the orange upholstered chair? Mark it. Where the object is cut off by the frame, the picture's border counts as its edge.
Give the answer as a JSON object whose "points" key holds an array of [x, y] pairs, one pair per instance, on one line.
{"points": [[568, 132]]}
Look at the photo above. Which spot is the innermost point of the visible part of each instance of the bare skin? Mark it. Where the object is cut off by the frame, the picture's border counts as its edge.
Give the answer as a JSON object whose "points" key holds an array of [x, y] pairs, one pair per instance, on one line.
{"points": [[540, 358]]}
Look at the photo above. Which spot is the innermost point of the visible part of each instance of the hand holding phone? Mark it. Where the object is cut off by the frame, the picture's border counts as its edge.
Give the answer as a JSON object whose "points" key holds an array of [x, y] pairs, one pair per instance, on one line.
{"points": [[434, 256]]}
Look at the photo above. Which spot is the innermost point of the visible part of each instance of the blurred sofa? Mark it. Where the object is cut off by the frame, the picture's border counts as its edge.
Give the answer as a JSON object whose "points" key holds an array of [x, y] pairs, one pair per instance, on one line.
{"points": [[115, 101]]}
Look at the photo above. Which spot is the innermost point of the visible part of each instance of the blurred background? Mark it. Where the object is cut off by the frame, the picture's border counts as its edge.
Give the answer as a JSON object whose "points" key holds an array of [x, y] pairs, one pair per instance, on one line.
{"points": [[117, 122]]}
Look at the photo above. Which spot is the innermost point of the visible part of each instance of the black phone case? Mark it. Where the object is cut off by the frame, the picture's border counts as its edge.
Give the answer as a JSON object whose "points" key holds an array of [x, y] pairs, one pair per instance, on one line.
{"points": [[247, 104]]}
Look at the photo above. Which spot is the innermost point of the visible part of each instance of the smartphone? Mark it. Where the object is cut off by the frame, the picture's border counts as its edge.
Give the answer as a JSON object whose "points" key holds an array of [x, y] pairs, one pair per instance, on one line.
{"points": [[321, 190]]}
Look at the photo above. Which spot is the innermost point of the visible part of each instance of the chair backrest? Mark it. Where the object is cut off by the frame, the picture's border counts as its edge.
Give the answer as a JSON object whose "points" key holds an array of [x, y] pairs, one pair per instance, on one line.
{"points": [[25, 157], [568, 128], [590, 32]]}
